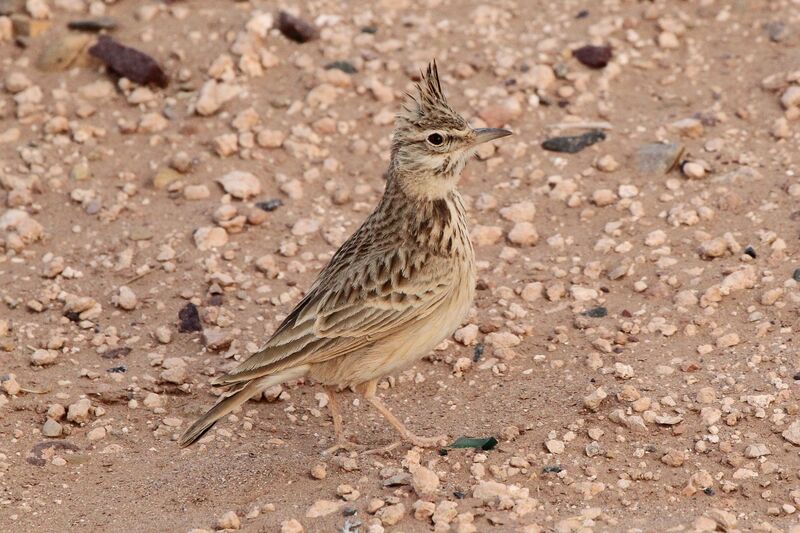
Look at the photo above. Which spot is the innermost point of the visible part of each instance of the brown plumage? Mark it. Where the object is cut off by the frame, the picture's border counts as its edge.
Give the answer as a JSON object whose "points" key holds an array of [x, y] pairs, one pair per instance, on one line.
{"points": [[398, 286]]}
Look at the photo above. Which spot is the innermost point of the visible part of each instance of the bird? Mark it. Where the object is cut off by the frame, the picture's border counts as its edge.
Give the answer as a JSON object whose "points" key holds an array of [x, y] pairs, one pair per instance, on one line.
{"points": [[399, 285]]}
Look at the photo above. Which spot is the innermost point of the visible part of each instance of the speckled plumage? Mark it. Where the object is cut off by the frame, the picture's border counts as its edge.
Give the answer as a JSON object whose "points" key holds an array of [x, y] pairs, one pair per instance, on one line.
{"points": [[396, 288]]}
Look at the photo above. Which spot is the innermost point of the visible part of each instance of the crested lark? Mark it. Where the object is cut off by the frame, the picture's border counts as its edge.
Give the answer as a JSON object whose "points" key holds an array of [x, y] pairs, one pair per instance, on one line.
{"points": [[397, 287]]}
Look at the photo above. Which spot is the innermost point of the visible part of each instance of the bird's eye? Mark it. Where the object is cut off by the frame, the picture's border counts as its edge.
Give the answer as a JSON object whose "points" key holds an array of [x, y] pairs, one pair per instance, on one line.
{"points": [[435, 139]]}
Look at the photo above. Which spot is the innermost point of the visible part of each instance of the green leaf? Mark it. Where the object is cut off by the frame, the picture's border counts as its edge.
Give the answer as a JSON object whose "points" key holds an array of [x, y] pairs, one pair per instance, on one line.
{"points": [[486, 443]]}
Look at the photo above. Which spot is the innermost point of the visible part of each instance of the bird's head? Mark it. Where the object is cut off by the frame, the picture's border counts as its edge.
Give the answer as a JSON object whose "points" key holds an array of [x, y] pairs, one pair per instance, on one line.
{"points": [[432, 142]]}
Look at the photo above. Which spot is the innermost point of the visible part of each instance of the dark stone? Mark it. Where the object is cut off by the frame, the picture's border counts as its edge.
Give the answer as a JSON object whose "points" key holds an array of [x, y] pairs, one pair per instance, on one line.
{"points": [[36, 455], [777, 31], [369, 29], [593, 56], [750, 251], [344, 66], [458, 495], [128, 62], [270, 205], [582, 14], [117, 369], [796, 274], [573, 143], [116, 353], [215, 299], [596, 312], [93, 25], [189, 319], [552, 469], [296, 29], [478, 352]]}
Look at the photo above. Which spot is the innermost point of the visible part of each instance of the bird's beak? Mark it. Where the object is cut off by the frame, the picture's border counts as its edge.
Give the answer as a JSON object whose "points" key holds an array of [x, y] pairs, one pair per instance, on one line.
{"points": [[483, 135]]}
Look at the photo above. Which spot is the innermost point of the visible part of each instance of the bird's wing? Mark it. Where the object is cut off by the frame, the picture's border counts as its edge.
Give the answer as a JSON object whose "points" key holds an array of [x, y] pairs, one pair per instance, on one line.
{"points": [[365, 302]]}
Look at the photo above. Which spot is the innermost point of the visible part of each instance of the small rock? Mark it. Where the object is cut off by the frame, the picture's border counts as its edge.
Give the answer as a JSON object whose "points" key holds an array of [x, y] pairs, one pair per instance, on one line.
{"points": [[791, 97], [196, 192], [593, 400], [126, 299], [189, 319], [574, 143], [523, 234], [51, 428], [291, 526], [165, 176], [754, 451], [593, 56], [61, 52], [229, 520], [213, 95], [240, 184], [555, 446], [96, 434], [323, 508], [657, 159], [792, 433], [296, 29], [391, 514], [78, 412], [42, 357], [319, 471], [424, 480], [208, 237]]}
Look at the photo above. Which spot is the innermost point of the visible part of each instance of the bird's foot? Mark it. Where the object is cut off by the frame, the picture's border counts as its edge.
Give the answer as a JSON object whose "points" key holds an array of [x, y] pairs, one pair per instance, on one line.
{"points": [[343, 445], [414, 440]]}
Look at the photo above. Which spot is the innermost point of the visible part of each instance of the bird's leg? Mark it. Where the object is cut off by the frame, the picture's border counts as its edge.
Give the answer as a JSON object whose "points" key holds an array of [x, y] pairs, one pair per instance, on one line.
{"points": [[338, 426], [406, 435]]}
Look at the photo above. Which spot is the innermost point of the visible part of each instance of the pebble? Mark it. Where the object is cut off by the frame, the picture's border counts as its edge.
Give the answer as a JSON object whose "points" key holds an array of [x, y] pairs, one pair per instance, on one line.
{"points": [[792, 433], [424, 480], [693, 170], [240, 184], [126, 298], [305, 226], [51, 428], [296, 29], [213, 95], [519, 212], [42, 357], [555, 446], [391, 514], [291, 526], [96, 434], [791, 97], [62, 52], [574, 143], [593, 401], [523, 234], [208, 237], [319, 471], [657, 159], [196, 192], [485, 235], [229, 520], [78, 412], [323, 508]]}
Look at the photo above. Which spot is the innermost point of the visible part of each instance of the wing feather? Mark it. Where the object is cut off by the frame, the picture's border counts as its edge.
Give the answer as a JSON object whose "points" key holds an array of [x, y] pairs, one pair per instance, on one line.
{"points": [[367, 302]]}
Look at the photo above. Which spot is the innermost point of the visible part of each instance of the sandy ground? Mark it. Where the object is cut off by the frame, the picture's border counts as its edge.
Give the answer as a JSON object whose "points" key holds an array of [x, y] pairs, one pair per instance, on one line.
{"points": [[678, 410]]}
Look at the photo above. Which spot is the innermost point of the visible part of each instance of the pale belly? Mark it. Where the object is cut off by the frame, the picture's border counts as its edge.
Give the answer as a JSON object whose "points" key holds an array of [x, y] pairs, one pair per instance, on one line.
{"points": [[402, 349]]}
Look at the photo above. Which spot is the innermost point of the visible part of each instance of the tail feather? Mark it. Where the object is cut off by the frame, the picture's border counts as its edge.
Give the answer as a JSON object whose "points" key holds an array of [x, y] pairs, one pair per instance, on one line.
{"points": [[234, 398]]}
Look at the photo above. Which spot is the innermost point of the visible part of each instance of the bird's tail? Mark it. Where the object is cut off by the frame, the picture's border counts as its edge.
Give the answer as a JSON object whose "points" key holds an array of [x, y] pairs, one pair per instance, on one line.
{"points": [[240, 393]]}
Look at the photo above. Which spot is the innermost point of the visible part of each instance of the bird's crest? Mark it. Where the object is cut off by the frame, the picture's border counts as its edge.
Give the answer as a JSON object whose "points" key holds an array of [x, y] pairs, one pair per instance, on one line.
{"points": [[428, 106]]}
